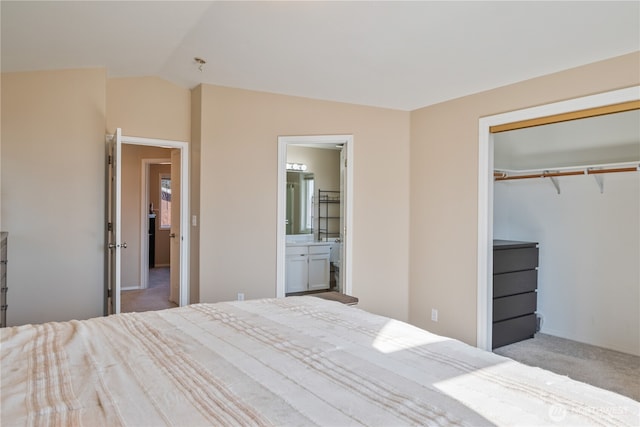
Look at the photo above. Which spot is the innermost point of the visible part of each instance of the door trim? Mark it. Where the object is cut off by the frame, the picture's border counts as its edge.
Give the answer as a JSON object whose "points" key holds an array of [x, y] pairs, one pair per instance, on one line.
{"points": [[283, 143], [485, 189], [184, 204]]}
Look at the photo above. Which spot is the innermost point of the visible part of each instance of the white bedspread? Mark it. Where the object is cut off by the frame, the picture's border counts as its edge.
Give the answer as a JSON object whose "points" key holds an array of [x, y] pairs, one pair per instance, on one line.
{"points": [[296, 361]]}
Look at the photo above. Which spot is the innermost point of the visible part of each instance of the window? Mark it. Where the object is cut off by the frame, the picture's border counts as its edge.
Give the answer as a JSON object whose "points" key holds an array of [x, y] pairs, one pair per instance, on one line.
{"points": [[165, 202]]}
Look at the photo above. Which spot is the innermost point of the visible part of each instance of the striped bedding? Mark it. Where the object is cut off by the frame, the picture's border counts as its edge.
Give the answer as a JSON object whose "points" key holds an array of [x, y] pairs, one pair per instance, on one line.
{"points": [[298, 361]]}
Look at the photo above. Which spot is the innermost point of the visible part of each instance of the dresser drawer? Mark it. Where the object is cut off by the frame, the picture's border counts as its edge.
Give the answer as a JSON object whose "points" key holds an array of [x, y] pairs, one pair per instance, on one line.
{"points": [[508, 260], [514, 283], [514, 306], [513, 330]]}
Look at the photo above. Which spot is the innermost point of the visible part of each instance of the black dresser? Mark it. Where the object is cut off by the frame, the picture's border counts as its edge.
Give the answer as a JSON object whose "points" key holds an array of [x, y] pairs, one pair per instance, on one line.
{"points": [[3, 278], [515, 280]]}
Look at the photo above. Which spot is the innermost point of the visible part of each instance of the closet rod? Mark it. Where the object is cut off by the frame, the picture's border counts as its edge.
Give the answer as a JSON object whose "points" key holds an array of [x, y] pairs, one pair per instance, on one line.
{"points": [[503, 176]]}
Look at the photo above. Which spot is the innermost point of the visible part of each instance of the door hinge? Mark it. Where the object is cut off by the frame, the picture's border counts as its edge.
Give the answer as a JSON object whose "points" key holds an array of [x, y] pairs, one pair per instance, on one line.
{"points": [[109, 160], [108, 293], [109, 226]]}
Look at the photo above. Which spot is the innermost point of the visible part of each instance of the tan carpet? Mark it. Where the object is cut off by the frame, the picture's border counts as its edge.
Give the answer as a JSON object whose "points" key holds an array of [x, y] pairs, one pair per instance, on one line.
{"points": [[608, 369], [155, 297]]}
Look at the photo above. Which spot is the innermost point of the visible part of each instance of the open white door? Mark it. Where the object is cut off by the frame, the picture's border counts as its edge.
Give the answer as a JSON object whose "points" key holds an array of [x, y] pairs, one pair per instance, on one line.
{"points": [[114, 202], [176, 233], [343, 212], [180, 157]]}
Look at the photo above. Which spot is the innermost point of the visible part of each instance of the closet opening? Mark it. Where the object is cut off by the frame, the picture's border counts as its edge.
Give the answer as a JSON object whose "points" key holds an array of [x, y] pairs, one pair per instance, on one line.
{"points": [[554, 177]]}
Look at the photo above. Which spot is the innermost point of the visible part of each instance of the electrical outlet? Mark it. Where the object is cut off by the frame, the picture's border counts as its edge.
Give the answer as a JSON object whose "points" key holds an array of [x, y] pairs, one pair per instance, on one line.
{"points": [[434, 314], [240, 296]]}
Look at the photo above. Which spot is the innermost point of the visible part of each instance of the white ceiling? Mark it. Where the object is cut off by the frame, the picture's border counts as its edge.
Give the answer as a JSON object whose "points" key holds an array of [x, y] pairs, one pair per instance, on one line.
{"points": [[402, 55]]}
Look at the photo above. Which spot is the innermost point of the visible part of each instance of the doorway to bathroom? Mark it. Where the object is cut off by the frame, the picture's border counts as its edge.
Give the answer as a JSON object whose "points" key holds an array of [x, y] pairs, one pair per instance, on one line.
{"points": [[315, 182]]}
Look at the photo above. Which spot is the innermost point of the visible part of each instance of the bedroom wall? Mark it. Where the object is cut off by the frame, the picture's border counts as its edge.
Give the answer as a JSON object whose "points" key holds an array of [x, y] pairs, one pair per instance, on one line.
{"points": [[588, 279], [444, 186], [238, 211], [53, 127], [151, 107], [197, 111], [53, 183]]}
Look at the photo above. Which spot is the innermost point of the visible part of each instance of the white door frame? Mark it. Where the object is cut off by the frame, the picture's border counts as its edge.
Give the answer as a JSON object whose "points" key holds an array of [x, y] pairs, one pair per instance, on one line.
{"points": [[184, 205], [485, 190], [144, 212], [333, 140]]}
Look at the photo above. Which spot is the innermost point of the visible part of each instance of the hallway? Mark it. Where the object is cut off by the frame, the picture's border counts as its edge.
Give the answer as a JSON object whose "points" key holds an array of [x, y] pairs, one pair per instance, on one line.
{"points": [[155, 297]]}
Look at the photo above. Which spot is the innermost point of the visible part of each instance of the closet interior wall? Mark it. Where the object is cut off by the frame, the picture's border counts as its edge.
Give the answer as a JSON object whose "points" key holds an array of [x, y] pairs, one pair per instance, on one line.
{"points": [[589, 235]]}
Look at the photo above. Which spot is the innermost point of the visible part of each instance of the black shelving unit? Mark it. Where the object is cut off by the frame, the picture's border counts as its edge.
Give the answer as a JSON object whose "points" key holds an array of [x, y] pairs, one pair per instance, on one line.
{"points": [[328, 214]]}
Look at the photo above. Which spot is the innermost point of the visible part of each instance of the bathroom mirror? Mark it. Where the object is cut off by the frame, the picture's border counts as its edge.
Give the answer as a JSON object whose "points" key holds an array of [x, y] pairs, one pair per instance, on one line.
{"points": [[300, 190]]}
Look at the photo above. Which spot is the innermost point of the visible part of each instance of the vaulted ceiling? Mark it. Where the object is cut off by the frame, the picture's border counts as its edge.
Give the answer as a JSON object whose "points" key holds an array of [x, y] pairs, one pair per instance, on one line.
{"points": [[401, 55]]}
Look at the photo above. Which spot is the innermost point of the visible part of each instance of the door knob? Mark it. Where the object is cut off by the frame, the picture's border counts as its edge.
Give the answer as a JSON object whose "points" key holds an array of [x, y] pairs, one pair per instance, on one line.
{"points": [[172, 235], [124, 245]]}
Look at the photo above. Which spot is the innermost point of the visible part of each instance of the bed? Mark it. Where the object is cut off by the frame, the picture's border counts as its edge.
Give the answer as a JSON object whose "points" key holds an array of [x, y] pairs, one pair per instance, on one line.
{"points": [[296, 361]]}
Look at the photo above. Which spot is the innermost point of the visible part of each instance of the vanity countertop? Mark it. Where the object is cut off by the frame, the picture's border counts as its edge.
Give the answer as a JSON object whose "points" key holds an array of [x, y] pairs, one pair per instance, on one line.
{"points": [[308, 243]]}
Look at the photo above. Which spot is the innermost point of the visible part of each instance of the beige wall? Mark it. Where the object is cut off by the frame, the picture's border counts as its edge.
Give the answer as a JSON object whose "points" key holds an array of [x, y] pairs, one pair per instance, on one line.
{"points": [[149, 107], [444, 185], [53, 186], [197, 110], [53, 127], [238, 224]]}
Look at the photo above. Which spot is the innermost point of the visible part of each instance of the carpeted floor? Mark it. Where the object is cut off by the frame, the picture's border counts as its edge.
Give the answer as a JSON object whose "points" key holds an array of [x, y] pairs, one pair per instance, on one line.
{"points": [[608, 369], [155, 297]]}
